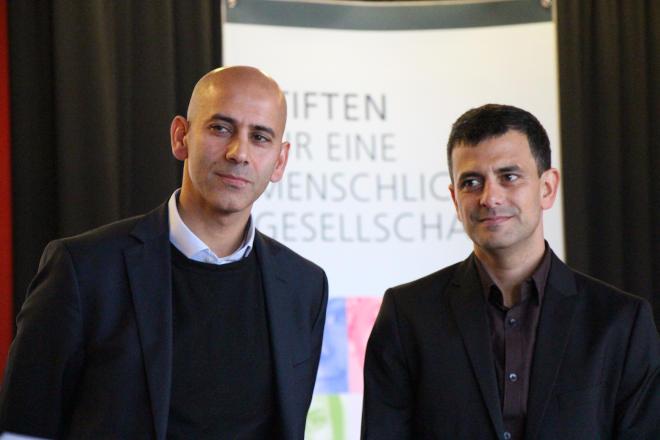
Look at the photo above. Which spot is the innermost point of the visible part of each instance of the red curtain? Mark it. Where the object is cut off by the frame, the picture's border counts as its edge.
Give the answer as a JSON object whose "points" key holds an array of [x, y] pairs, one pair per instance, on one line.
{"points": [[6, 309]]}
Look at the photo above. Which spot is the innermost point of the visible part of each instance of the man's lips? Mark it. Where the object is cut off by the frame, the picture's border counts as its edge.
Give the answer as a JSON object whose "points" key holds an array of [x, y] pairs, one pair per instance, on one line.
{"points": [[494, 220], [233, 180]]}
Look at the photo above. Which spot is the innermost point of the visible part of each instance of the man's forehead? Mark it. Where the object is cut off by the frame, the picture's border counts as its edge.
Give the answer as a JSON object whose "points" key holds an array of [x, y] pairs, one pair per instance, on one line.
{"points": [[245, 106], [493, 155], [510, 144], [244, 81], [500, 165], [244, 86]]}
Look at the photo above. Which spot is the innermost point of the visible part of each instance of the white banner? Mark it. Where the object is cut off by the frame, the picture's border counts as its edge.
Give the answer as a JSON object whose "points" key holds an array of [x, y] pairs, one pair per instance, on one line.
{"points": [[370, 109]]}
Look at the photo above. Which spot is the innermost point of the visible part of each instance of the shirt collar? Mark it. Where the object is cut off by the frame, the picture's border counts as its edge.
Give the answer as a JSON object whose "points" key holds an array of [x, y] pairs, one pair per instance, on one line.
{"points": [[538, 278], [193, 247]]}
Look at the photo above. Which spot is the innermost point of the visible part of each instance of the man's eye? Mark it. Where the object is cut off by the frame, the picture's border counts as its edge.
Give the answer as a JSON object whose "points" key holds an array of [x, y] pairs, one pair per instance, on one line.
{"points": [[260, 137], [511, 177], [470, 183], [219, 128]]}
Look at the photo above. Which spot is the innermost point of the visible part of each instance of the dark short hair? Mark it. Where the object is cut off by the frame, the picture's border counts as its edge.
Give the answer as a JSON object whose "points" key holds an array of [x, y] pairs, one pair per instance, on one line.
{"points": [[492, 120]]}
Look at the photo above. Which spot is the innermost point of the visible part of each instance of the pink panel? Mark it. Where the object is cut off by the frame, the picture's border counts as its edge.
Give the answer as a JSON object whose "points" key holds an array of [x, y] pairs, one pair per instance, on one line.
{"points": [[360, 316]]}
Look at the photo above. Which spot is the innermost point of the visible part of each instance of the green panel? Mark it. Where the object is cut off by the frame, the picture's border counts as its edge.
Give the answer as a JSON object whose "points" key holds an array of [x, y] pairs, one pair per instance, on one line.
{"points": [[325, 419]]}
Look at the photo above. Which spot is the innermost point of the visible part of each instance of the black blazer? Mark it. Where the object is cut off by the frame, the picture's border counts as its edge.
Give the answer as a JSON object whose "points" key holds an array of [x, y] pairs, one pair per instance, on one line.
{"points": [[430, 374], [92, 357]]}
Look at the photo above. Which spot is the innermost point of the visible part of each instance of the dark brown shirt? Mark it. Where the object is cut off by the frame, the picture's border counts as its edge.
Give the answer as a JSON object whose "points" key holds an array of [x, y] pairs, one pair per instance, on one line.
{"points": [[512, 336]]}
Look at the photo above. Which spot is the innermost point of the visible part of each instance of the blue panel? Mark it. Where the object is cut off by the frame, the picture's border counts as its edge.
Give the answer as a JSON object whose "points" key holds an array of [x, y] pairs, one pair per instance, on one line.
{"points": [[333, 370]]}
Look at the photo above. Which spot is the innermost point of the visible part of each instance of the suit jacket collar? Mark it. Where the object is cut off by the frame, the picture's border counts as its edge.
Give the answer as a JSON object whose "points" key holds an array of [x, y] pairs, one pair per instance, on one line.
{"points": [[148, 265], [552, 335], [469, 308], [289, 346], [553, 332]]}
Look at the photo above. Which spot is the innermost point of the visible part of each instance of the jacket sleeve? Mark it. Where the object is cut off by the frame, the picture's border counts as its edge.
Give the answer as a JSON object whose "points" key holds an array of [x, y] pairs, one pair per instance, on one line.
{"points": [[388, 397], [46, 355], [638, 399]]}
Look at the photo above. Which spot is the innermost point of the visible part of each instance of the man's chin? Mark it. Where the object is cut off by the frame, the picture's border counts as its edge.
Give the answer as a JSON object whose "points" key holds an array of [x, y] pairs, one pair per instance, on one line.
{"points": [[493, 242], [227, 206]]}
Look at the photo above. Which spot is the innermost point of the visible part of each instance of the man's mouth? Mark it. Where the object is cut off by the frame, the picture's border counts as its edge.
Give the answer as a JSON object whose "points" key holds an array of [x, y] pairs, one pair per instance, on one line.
{"points": [[494, 217], [233, 180], [494, 220]]}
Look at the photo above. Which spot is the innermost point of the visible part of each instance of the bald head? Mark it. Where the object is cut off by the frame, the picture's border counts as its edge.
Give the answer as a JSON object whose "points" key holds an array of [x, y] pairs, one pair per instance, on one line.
{"points": [[232, 81], [231, 144]]}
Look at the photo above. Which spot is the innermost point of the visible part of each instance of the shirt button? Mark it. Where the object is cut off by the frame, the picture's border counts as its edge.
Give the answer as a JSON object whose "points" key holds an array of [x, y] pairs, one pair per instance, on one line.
{"points": [[507, 435], [513, 377], [513, 321]]}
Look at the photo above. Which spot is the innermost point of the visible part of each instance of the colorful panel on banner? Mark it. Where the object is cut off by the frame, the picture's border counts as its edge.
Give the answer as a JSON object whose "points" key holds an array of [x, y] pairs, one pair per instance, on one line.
{"points": [[334, 417], [336, 409], [332, 376], [360, 316]]}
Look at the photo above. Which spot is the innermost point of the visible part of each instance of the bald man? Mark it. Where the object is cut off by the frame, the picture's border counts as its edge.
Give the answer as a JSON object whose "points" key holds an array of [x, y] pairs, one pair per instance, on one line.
{"points": [[186, 322]]}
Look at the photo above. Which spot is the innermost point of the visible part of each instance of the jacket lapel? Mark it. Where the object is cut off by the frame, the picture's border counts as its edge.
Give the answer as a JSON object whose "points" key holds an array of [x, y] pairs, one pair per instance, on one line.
{"points": [[149, 273], [553, 332], [468, 306], [287, 344]]}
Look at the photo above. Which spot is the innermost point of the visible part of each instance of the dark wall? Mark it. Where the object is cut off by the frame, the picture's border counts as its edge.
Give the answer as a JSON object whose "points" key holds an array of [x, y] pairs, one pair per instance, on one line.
{"points": [[94, 86], [609, 71]]}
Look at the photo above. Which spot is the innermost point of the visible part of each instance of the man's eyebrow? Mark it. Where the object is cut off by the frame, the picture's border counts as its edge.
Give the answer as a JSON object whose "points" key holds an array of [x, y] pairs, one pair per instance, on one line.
{"points": [[500, 170], [508, 169], [268, 130], [468, 175], [221, 117], [230, 120]]}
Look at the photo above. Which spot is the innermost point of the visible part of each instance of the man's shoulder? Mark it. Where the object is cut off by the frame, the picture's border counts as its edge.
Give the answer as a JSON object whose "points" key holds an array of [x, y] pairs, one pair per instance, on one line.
{"points": [[429, 285], [116, 235], [109, 231], [598, 302], [283, 252], [601, 294]]}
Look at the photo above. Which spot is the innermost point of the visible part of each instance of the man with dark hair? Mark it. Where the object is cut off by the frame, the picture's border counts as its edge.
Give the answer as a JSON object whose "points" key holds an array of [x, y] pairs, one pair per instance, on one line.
{"points": [[510, 343], [184, 323]]}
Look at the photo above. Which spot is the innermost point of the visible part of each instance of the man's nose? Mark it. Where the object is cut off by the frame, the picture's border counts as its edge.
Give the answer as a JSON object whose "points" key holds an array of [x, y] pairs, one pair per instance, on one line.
{"points": [[492, 194], [237, 150]]}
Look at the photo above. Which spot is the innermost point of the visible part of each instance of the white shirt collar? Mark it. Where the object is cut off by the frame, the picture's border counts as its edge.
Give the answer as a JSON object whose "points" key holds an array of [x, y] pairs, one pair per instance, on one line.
{"points": [[195, 249]]}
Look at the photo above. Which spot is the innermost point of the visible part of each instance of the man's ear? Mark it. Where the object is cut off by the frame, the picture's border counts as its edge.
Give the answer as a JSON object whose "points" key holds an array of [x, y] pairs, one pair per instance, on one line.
{"points": [[280, 165], [178, 132], [549, 187]]}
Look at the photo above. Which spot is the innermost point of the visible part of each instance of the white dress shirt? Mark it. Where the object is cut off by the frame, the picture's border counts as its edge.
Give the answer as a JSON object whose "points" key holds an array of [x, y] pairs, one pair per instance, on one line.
{"points": [[193, 248]]}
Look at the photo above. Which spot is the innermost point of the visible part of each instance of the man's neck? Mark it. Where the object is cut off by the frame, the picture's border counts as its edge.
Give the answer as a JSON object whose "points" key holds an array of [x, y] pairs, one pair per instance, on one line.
{"points": [[222, 233], [509, 269]]}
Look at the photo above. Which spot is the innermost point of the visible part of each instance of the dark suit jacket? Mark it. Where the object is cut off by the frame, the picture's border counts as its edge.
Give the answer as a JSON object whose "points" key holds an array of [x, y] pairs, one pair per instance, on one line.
{"points": [[430, 374], [92, 357]]}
